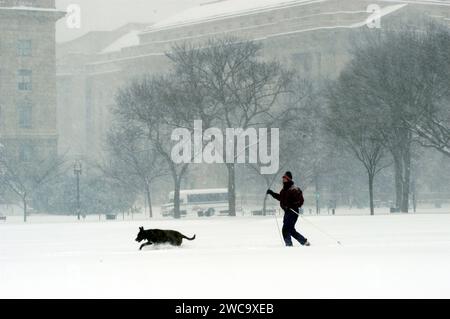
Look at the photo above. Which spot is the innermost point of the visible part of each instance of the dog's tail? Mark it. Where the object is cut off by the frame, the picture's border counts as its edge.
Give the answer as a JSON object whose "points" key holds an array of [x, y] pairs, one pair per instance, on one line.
{"points": [[189, 238]]}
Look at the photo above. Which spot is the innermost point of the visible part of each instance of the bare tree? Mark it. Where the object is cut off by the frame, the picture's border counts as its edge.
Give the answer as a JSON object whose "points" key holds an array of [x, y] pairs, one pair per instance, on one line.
{"points": [[242, 89], [143, 104], [24, 177], [355, 125], [394, 71], [433, 131], [297, 125], [314, 149], [158, 105], [432, 126], [133, 161]]}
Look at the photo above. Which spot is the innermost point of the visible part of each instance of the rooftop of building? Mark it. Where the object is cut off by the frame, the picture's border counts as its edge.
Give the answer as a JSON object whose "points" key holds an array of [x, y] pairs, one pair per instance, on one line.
{"points": [[96, 42], [134, 39], [222, 9], [35, 5]]}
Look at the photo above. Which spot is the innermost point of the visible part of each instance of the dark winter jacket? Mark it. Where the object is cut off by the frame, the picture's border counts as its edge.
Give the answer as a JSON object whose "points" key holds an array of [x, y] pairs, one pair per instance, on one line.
{"points": [[290, 196]]}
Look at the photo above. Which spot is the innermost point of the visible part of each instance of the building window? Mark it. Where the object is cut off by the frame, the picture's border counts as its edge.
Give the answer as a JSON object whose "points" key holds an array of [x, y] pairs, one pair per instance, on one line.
{"points": [[25, 115], [24, 48], [24, 80], [26, 152]]}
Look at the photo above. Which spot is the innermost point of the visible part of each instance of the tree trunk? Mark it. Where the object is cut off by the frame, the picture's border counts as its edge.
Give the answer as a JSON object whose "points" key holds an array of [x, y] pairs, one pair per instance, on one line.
{"points": [[264, 205], [231, 190], [149, 200], [372, 209], [414, 198], [406, 180], [316, 186], [24, 199], [176, 198], [398, 180], [402, 165]]}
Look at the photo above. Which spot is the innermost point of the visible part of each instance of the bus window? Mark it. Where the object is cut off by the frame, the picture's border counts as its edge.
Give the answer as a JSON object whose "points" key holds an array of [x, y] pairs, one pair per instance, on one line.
{"points": [[171, 200], [203, 198]]}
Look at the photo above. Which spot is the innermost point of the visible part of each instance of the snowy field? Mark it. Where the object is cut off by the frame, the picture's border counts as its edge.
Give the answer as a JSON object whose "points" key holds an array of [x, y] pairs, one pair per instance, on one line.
{"points": [[384, 256]]}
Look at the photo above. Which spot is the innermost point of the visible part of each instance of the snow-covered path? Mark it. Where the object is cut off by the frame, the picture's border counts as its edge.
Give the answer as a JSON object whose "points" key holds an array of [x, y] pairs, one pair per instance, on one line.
{"points": [[386, 256]]}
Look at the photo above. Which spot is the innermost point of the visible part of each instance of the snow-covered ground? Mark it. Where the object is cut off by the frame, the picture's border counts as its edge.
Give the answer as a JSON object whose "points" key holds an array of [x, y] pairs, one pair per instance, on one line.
{"points": [[384, 256]]}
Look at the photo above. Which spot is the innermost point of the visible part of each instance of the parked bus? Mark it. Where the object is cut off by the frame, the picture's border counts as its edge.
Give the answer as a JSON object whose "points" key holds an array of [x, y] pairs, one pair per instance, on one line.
{"points": [[199, 202]]}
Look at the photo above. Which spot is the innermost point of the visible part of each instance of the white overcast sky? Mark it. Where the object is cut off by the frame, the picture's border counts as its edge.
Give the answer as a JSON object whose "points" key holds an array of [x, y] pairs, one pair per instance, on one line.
{"points": [[111, 14]]}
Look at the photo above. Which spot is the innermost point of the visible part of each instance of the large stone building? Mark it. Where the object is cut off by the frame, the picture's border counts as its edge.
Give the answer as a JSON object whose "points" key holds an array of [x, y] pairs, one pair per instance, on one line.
{"points": [[308, 35], [84, 94], [28, 77]]}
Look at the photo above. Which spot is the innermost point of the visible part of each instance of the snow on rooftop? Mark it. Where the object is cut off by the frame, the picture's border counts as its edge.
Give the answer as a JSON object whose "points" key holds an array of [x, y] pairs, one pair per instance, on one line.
{"points": [[24, 8], [384, 12], [128, 40], [223, 9], [227, 8], [427, 2], [378, 15]]}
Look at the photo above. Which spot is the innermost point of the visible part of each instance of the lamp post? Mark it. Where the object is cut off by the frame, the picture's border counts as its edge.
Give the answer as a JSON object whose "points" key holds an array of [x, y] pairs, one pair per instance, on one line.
{"points": [[77, 171]]}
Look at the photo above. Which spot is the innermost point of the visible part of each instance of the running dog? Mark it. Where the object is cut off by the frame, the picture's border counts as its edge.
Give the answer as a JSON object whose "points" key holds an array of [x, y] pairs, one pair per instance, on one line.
{"points": [[158, 236]]}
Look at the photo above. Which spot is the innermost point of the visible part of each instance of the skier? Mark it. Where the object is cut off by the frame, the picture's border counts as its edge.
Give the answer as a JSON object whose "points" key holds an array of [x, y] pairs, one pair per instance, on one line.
{"points": [[291, 198]]}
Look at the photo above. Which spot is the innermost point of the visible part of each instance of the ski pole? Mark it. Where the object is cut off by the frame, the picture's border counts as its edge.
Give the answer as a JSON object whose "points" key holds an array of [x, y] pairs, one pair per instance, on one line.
{"points": [[323, 232], [278, 226]]}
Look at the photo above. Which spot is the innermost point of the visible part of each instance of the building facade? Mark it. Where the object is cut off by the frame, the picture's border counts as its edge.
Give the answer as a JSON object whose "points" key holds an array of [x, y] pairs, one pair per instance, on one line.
{"points": [[28, 77], [311, 36]]}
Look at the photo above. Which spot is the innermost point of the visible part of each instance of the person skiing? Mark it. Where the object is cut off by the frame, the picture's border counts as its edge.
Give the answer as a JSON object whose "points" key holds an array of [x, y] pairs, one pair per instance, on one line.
{"points": [[291, 198]]}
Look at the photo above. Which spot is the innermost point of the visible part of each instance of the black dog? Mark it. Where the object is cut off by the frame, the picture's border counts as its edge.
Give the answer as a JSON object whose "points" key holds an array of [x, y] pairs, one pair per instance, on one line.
{"points": [[158, 236]]}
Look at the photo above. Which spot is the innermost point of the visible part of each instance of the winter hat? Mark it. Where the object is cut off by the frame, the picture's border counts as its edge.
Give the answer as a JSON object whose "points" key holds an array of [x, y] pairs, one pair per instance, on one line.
{"points": [[288, 175]]}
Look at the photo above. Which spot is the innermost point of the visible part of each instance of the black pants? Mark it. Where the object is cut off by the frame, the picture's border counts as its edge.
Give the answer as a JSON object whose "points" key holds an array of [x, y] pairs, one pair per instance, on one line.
{"points": [[289, 220]]}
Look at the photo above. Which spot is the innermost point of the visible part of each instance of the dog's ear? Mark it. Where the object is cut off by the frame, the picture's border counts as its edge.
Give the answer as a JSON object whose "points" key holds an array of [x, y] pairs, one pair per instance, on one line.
{"points": [[141, 228]]}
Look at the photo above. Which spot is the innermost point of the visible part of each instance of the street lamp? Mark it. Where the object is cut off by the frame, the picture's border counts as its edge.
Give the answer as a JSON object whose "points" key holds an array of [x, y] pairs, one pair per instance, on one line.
{"points": [[77, 171]]}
